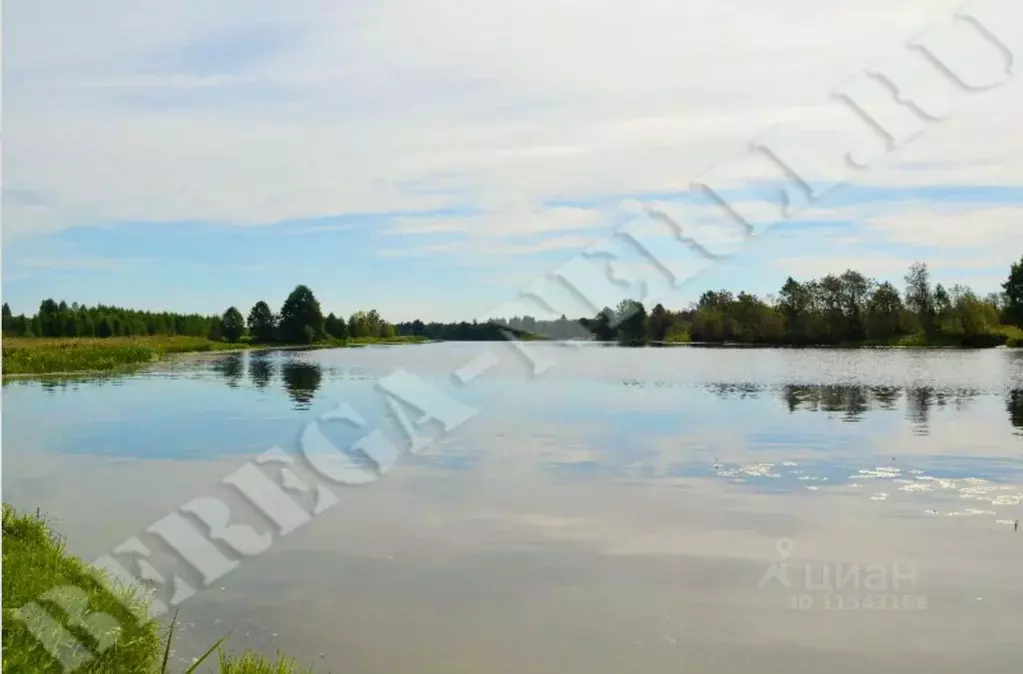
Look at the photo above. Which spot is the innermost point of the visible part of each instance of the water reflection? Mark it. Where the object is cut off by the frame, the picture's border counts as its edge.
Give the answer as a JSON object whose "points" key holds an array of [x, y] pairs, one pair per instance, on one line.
{"points": [[1014, 406], [51, 384], [231, 367], [301, 380], [261, 369], [853, 401]]}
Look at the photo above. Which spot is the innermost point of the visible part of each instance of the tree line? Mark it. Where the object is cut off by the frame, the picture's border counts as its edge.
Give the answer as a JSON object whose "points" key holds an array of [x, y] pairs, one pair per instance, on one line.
{"points": [[300, 320], [832, 310]]}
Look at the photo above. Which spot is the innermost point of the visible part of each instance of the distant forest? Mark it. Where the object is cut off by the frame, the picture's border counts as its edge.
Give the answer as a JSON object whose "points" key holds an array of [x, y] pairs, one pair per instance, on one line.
{"points": [[300, 320], [833, 310]]}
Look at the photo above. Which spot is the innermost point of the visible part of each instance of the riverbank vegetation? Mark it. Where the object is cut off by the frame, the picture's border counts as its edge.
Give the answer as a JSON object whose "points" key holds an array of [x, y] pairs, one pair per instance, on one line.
{"points": [[23, 355], [849, 309], [64, 338], [299, 321], [43, 355], [35, 563]]}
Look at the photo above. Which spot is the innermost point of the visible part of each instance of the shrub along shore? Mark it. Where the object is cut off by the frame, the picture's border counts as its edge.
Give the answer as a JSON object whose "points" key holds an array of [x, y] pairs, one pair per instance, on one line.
{"points": [[35, 562]]}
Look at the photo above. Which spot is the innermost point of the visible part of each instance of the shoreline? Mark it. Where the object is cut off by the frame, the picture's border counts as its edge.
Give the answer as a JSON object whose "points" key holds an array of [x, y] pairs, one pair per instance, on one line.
{"points": [[172, 356], [161, 350]]}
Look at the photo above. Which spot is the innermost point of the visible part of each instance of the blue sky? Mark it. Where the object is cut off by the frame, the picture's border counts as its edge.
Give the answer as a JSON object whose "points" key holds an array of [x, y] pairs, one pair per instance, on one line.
{"points": [[433, 159]]}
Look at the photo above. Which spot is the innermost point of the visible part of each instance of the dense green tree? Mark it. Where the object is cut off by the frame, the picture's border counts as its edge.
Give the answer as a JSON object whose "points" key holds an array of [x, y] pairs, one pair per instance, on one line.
{"points": [[659, 323], [301, 320], [920, 297], [942, 305], [232, 325], [1013, 293], [8, 320], [884, 313], [215, 332], [969, 318], [363, 324], [358, 325], [335, 327], [796, 305], [262, 323], [49, 319], [631, 318], [603, 327], [70, 325], [855, 288]]}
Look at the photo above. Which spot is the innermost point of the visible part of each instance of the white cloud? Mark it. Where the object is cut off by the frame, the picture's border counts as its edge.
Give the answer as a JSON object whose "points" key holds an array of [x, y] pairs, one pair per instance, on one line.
{"points": [[953, 226], [556, 243], [115, 114], [503, 224]]}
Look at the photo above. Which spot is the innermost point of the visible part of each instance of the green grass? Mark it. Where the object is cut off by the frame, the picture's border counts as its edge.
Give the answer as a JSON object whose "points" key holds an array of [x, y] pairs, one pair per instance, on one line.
{"points": [[35, 561], [681, 337], [995, 337], [42, 355], [1013, 336], [26, 355], [250, 663]]}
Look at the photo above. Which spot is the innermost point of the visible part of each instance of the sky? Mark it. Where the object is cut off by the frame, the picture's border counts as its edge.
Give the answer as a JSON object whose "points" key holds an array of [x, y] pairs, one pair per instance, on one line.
{"points": [[433, 158]]}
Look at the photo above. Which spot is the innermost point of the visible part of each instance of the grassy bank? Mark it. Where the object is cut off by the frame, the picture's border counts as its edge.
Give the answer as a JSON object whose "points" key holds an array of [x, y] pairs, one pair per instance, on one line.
{"points": [[1005, 335], [35, 562], [27, 355], [41, 355]]}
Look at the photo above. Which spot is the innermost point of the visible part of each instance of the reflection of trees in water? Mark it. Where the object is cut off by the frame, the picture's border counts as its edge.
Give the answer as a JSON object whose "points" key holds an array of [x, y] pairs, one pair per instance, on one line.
{"points": [[230, 366], [1014, 406], [261, 370], [301, 379], [741, 390], [853, 400], [65, 383], [921, 399], [918, 406], [886, 397]]}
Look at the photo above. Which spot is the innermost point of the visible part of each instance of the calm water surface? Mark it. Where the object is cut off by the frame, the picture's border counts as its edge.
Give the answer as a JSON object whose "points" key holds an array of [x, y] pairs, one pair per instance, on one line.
{"points": [[641, 510]]}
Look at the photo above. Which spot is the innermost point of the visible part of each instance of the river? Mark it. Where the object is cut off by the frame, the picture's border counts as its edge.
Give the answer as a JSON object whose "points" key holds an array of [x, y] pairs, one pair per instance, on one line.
{"points": [[648, 510]]}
